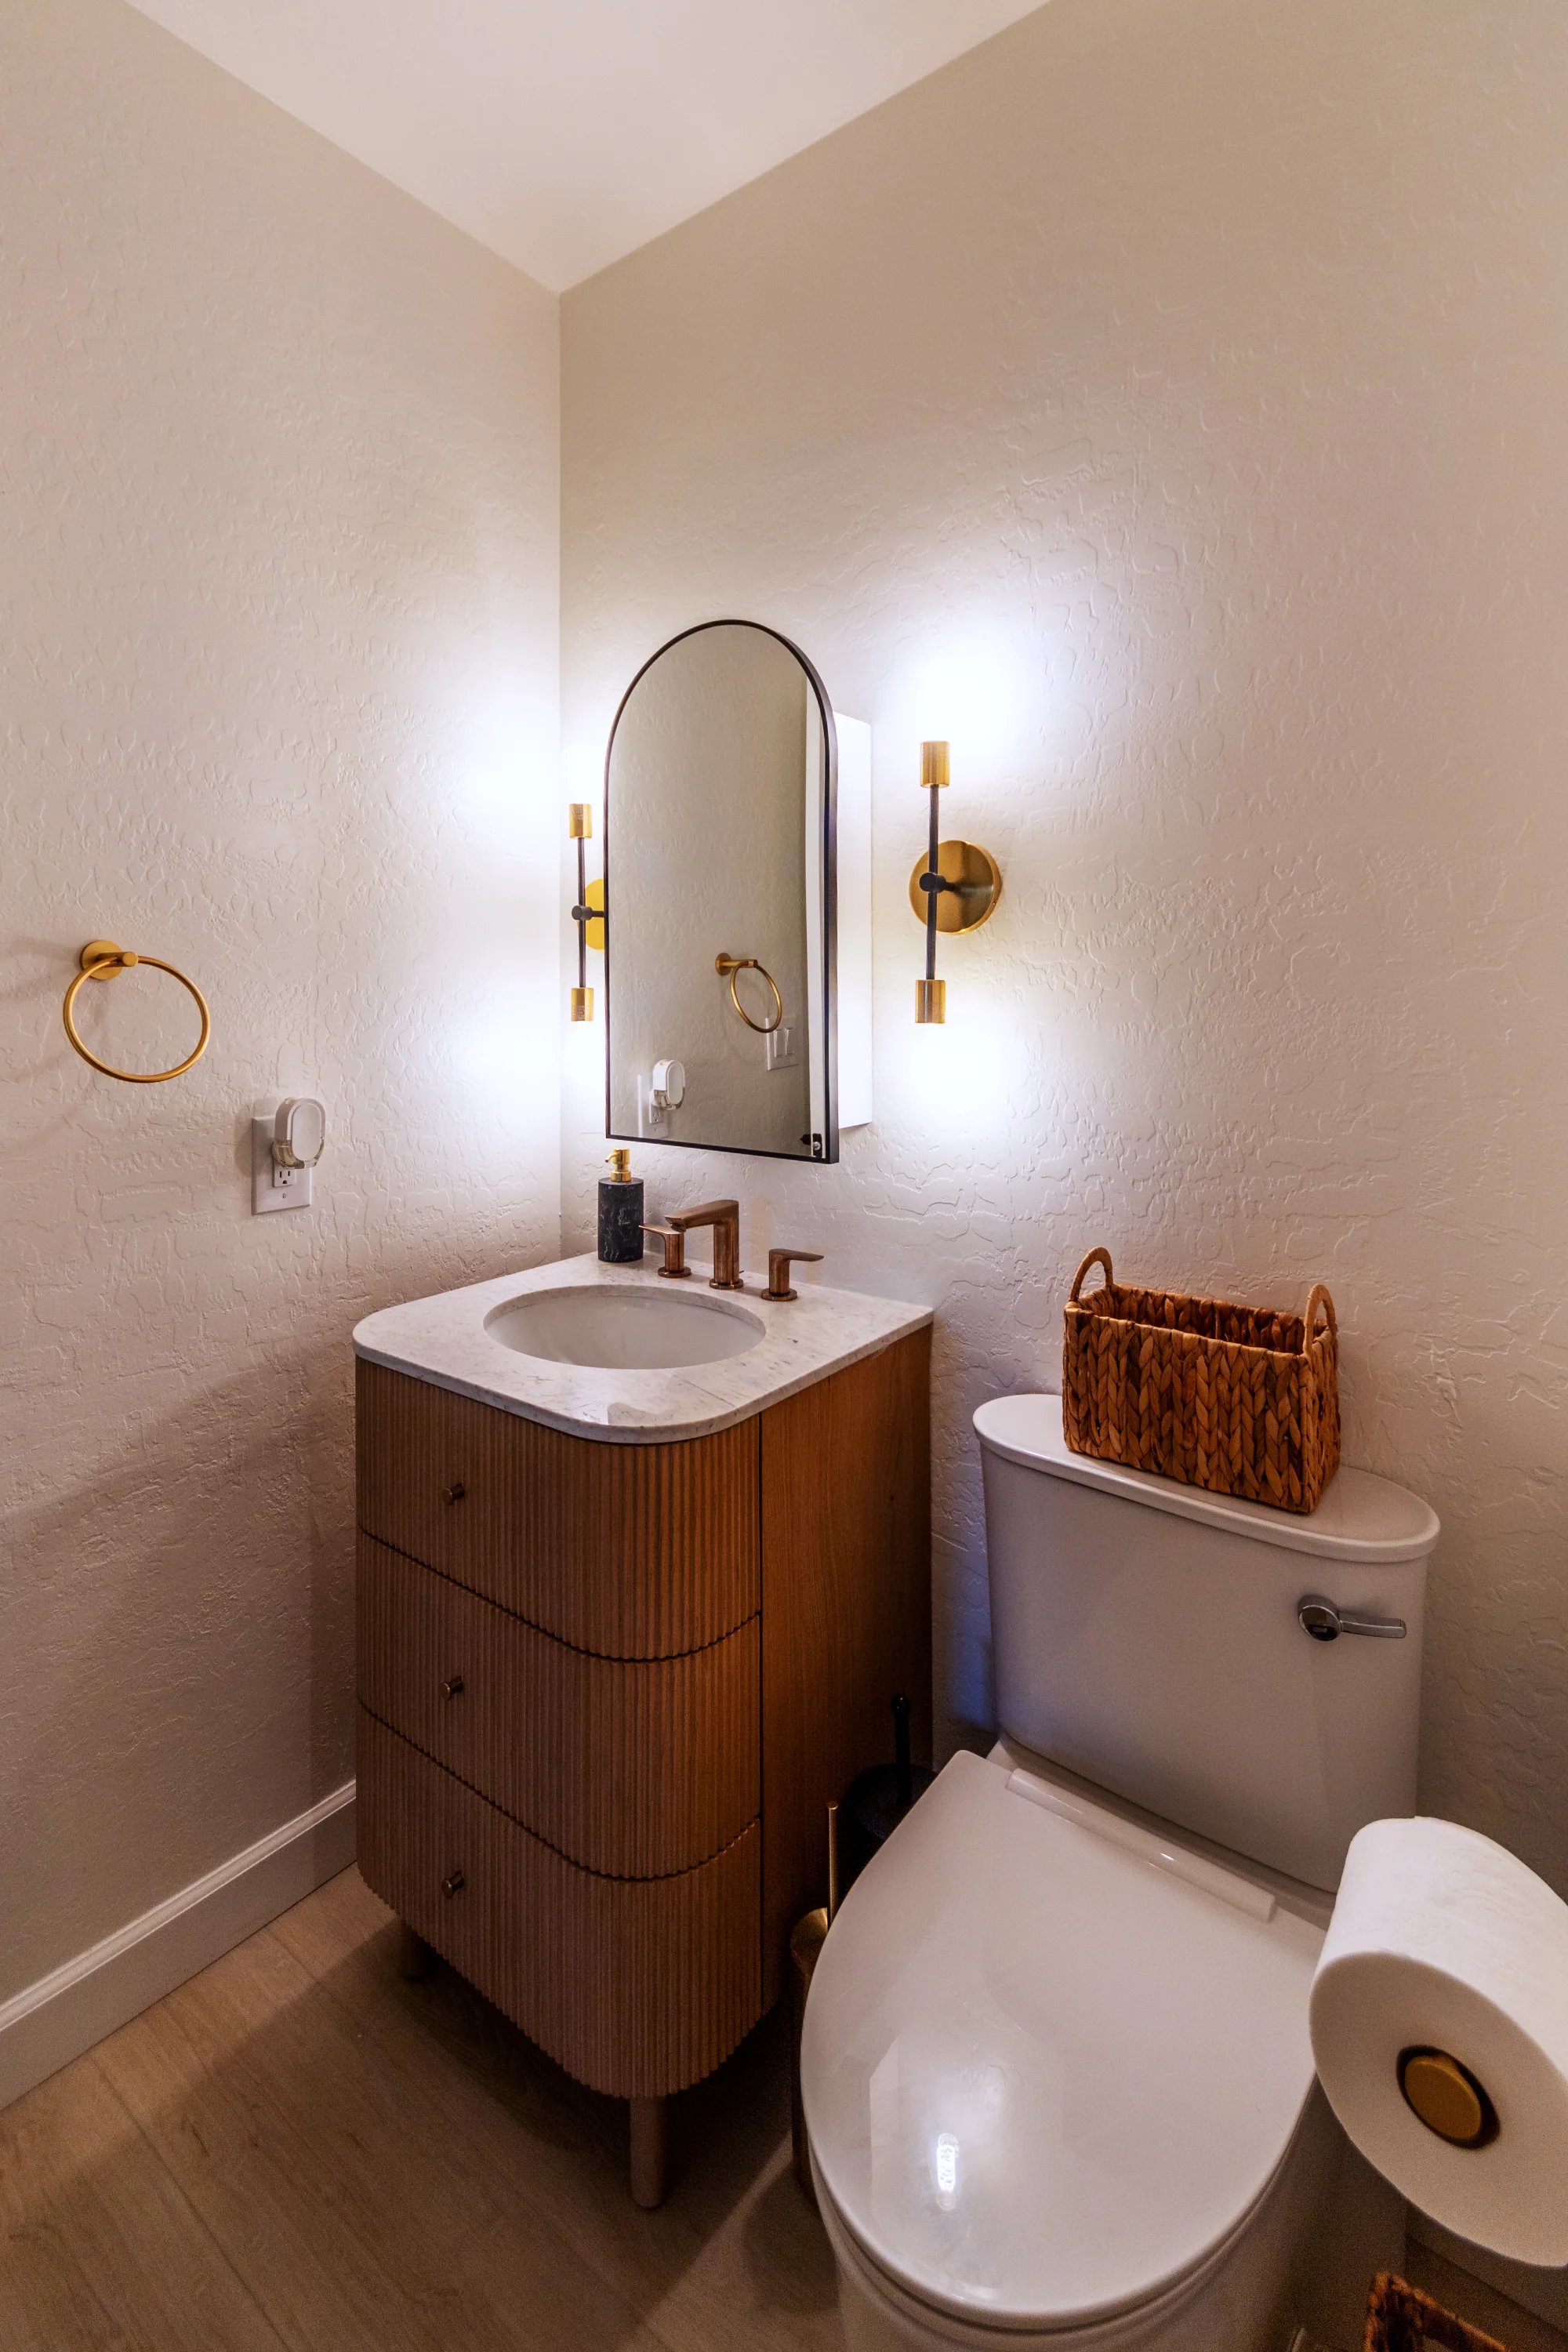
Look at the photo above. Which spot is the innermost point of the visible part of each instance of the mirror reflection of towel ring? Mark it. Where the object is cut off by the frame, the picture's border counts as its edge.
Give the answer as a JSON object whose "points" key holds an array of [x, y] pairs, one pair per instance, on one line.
{"points": [[732, 964], [101, 959]]}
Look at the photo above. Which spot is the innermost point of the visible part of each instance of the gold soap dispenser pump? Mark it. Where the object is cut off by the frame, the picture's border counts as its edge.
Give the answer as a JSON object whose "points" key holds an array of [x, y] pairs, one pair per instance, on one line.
{"points": [[620, 1212]]}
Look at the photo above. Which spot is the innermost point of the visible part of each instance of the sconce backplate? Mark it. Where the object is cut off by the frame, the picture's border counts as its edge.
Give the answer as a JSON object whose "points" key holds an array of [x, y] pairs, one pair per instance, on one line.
{"points": [[979, 880], [593, 930]]}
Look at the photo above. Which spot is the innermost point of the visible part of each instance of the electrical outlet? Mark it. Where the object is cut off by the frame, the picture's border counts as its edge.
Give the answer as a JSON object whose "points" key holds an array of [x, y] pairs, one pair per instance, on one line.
{"points": [[272, 1187]]}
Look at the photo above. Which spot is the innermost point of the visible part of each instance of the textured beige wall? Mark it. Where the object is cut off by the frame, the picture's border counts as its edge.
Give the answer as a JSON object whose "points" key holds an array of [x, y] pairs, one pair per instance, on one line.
{"points": [[1166, 402], [278, 642]]}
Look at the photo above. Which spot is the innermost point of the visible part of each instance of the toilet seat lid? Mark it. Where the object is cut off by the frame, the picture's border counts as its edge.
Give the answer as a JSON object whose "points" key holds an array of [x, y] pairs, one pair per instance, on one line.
{"points": [[1043, 2076]]}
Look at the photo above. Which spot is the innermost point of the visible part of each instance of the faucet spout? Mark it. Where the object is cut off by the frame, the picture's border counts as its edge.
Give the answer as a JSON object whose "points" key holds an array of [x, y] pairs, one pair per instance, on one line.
{"points": [[724, 1216]]}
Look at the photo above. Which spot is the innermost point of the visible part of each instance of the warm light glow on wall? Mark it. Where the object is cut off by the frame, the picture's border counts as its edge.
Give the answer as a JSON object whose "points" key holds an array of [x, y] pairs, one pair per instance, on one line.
{"points": [[954, 1078], [980, 691]]}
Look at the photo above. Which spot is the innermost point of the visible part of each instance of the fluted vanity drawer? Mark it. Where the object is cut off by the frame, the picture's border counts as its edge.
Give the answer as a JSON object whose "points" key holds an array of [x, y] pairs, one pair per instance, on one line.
{"points": [[638, 1987], [630, 1551], [632, 1767]]}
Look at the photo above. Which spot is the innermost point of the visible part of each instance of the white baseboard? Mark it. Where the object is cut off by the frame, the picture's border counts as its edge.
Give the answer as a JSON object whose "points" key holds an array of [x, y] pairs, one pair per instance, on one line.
{"points": [[48, 2025]]}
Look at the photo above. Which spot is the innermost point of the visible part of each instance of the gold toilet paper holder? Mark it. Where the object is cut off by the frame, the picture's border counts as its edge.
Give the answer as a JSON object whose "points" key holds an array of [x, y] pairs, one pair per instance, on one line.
{"points": [[1446, 2097]]}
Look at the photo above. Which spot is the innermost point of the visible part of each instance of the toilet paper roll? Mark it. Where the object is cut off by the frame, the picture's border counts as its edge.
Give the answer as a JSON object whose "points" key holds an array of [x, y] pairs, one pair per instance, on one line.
{"points": [[1443, 1943]]}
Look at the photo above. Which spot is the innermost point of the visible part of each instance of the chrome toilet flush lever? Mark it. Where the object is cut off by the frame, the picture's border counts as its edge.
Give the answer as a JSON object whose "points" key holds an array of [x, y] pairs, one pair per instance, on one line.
{"points": [[1326, 1624]]}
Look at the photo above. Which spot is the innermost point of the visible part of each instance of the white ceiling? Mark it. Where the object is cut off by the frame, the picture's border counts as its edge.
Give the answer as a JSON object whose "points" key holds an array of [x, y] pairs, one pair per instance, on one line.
{"points": [[563, 133]]}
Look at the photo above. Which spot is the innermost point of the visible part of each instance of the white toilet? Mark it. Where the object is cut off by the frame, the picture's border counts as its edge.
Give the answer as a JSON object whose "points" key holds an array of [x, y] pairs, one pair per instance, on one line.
{"points": [[1056, 2067]]}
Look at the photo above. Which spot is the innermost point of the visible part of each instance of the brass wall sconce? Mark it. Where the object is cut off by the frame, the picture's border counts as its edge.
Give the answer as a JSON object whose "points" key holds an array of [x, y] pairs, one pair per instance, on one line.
{"points": [[954, 887], [589, 914]]}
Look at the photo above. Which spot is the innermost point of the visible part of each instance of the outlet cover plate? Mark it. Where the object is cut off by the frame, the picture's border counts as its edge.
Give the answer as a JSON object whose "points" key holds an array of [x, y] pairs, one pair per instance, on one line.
{"points": [[272, 1187]]}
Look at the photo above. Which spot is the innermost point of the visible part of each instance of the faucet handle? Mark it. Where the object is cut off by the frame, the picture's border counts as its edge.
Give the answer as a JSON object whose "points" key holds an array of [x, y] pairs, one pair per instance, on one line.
{"points": [[674, 1268], [779, 1262]]}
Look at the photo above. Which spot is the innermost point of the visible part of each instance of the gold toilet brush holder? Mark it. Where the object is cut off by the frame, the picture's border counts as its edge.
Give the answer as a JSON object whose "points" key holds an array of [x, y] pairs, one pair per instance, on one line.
{"points": [[806, 1939]]}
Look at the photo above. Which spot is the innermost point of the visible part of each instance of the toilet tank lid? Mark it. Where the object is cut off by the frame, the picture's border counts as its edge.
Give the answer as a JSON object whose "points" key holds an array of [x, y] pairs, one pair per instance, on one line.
{"points": [[1360, 1516]]}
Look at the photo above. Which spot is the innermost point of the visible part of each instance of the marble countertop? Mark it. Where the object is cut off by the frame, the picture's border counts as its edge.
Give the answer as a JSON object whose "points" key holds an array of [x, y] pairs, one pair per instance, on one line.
{"points": [[444, 1340]]}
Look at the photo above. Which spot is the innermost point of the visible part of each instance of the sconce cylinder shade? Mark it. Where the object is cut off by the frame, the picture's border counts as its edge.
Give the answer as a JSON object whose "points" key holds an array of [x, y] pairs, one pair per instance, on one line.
{"points": [[582, 1005], [580, 820], [933, 766], [931, 1002]]}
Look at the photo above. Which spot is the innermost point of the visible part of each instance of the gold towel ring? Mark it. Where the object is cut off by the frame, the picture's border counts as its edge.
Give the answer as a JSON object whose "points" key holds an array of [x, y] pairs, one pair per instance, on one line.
{"points": [[732, 964], [101, 959]]}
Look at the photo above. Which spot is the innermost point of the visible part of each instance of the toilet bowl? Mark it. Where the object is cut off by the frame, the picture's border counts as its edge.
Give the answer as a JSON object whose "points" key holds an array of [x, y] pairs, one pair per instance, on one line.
{"points": [[1058, 2090], [1056, 2069]]}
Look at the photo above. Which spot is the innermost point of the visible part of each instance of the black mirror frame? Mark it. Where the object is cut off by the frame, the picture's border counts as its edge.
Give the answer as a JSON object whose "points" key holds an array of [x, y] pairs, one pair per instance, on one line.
{"points": [[828, 1153]]}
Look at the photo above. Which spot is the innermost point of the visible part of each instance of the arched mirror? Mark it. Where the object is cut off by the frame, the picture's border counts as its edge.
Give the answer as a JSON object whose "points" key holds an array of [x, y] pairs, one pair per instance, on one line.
{"points": [[720, 962]]}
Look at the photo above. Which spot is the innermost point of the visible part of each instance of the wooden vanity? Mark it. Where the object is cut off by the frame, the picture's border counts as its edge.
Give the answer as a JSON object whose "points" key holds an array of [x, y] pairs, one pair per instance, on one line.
{"points": [[607, 1687]]}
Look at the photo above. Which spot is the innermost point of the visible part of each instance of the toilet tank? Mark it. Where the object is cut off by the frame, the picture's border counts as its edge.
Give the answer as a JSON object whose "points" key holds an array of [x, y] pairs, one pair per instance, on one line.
{"points": [[1145, 1634]]}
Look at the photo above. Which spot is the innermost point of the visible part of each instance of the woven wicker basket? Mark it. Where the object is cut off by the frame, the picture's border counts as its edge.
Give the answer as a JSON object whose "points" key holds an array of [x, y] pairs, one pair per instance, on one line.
{"points": [[1237, 1399], [1400, 2318]]}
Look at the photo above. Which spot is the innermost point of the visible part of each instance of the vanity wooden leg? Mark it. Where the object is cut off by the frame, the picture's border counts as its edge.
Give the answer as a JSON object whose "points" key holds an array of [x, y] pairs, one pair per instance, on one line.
{"points": [[651, 2150], [415, 1957]]}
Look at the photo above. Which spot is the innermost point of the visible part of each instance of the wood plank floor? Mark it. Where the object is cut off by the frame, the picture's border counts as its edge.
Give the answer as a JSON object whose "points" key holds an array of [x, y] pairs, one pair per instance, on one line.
{"points": [[299, 2152], [297, 2149]]}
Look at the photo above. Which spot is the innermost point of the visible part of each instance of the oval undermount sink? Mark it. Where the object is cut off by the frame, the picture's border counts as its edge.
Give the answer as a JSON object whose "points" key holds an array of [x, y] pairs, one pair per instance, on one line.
{"points": [[623, 1330]]}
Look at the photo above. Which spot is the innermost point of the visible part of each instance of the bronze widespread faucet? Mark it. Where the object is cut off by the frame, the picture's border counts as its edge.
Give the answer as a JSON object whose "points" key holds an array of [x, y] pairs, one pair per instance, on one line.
{"points": [[724, 1216]]}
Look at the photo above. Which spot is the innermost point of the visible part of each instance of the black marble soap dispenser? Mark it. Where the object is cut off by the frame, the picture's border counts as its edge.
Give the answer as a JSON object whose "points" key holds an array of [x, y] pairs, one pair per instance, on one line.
{"points": [[620, 1212]]}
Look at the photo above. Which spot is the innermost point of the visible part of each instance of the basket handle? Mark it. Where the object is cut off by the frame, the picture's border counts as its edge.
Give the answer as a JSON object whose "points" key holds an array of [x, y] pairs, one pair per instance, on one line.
{"points": [[1102, 1257], [1319, 1297]]}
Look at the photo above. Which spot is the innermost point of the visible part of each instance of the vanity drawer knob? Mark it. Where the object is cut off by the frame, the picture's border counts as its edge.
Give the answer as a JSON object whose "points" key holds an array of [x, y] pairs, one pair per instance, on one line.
{"points": [[455, 1492], [453, 1883], [453, 1685]]}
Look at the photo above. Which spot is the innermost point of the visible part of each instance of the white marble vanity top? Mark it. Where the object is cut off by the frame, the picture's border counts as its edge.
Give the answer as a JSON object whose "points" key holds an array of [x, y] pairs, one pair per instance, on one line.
{"points": [[444, 1340]]}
